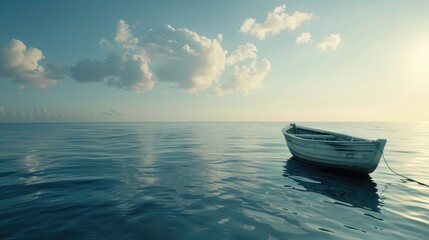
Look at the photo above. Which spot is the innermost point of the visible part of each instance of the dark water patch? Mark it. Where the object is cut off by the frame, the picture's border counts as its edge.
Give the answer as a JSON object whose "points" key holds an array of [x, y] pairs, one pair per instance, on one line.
{"points": [[369, 215], [347, 189], [16, 190], [326, 230], [6, 174], [357, 229]]}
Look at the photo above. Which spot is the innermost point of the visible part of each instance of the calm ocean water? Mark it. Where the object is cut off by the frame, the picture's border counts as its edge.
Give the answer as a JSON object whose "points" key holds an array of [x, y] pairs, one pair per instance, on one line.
{"points": [[203, 181]]}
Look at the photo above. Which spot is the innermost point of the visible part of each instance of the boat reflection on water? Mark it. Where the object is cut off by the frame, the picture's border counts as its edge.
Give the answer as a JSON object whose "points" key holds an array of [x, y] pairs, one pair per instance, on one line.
{"points": [[347, 188]]}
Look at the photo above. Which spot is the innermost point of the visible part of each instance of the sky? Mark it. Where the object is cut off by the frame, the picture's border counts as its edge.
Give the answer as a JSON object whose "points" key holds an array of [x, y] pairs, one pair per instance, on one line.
{"points": [[210, 61]]}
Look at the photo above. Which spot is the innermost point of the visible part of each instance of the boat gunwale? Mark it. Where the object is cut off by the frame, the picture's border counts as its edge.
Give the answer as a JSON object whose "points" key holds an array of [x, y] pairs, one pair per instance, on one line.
{"points": [[361, 141]]}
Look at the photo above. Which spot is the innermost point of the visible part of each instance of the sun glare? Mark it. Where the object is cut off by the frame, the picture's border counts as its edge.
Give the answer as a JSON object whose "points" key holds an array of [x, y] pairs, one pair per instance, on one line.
{"points": [[417, 59]]}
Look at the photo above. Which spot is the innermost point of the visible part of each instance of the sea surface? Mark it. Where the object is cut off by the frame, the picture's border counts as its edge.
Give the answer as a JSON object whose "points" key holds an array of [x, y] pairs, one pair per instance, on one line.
{"points": [[204, 181]]}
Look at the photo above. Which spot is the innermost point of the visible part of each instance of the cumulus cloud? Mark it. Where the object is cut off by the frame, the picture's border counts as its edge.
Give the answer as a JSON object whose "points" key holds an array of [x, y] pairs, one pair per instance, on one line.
{"points": [[242, 52], [22, 65], [112, 113], [185, 57], [124, 37], [105, 43], [38, 113], [303, 38], [7, 112], [193, 61], [125, 72], [275, 22], [245, 78], [247, 25], [330, 42]]}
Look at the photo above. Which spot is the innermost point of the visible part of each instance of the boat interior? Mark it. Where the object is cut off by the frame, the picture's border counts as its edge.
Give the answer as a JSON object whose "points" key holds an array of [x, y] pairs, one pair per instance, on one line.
{"points": [[319, 135]]}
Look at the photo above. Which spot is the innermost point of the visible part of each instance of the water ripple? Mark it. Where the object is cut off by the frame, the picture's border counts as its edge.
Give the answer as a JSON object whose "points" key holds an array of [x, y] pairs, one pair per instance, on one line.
{"points": [[211, 181]]}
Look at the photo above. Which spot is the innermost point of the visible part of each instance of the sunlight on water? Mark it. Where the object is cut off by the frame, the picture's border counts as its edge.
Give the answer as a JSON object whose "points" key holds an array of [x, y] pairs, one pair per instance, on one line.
{"points": [[204, 180]]}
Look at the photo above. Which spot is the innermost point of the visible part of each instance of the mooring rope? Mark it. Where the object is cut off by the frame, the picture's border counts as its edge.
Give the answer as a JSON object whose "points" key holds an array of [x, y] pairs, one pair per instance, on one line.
{"points": [[409, 179]]}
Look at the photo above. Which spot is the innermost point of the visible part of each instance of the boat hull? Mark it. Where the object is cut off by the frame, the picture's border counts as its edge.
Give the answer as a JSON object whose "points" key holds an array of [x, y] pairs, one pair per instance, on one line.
{"points": [[358, 156]]}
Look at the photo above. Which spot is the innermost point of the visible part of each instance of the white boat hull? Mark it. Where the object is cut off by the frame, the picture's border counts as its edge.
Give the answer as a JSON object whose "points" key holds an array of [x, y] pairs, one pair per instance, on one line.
{"points": [[360, 155]]}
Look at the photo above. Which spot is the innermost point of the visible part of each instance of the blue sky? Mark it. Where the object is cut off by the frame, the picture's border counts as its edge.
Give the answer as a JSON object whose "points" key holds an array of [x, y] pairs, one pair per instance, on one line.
{"points": [[214, 61]]}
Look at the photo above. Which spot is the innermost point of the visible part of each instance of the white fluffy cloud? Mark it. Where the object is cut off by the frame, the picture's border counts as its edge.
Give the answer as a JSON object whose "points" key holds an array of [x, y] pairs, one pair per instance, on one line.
{"points": [[124, 37], [180, 55], [196, 62], [303, 38], [22, 65], [330, 42], [276, 21], [192, 61], [245, 78], [242, 52]]}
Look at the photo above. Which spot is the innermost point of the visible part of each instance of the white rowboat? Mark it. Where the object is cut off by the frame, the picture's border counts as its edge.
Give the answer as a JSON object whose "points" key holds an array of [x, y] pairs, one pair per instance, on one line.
{"points": [[333, 150]]}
